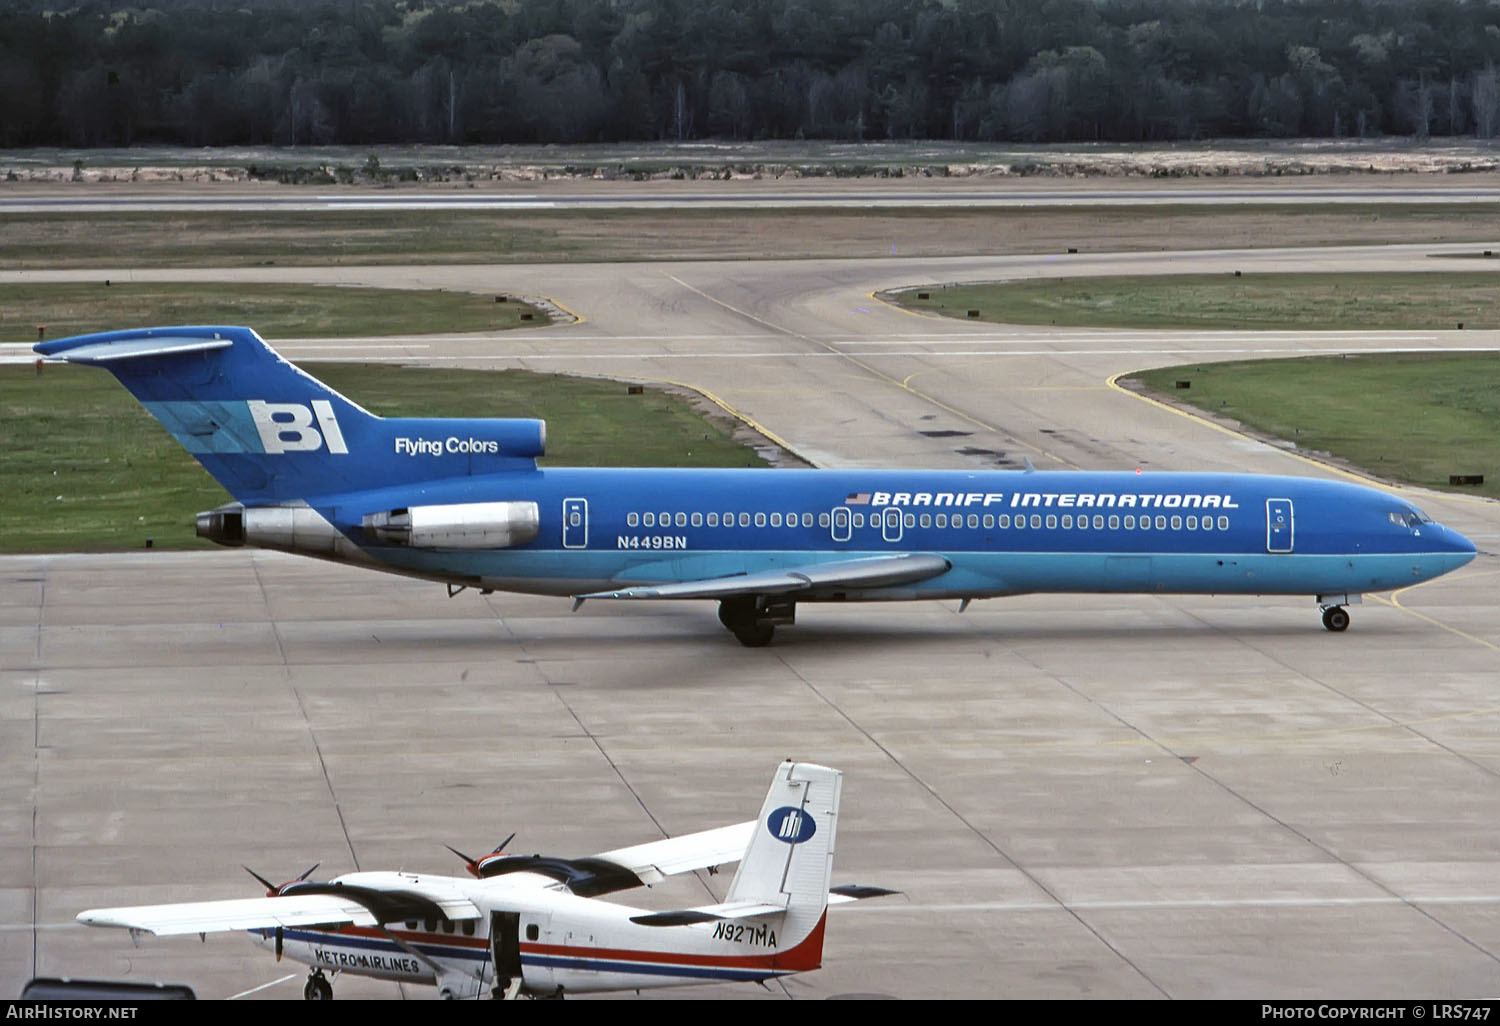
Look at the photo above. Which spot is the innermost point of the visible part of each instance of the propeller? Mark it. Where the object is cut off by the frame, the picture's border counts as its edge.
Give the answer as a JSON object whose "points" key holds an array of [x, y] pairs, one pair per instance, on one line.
{"points": [[272, 890], [472, 865]]}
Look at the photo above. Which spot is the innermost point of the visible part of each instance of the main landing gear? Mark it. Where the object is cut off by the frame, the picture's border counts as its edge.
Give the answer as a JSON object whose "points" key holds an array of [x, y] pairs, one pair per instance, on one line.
{"points": [[317, 987], [754, 618]]}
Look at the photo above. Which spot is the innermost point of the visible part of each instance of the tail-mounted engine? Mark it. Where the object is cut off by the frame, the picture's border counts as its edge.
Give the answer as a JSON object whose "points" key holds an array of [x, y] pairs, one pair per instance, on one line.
{"points": [[468, 525]]}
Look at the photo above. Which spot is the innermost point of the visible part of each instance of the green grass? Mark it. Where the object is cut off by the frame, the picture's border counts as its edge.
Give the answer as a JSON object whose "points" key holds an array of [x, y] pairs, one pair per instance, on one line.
{"points": [[1312, 302], [111, 239], [1415, 417], [275, 311], [87, 469]]}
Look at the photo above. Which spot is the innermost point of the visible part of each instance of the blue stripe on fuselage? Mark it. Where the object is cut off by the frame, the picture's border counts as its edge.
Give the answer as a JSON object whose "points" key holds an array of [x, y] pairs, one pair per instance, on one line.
{"points": [[438, 950]]}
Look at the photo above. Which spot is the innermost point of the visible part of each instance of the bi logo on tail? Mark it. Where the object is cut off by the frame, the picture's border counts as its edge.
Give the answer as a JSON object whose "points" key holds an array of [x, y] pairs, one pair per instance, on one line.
{"points": [[288, 427]]}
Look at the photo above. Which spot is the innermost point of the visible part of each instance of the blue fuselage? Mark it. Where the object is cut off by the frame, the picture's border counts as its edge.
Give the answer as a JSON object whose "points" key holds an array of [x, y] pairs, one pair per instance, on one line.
{"points": [[1004, 532]]}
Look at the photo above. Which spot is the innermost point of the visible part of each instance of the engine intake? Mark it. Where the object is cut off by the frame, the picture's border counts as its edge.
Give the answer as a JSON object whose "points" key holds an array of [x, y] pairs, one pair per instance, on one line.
{"points": [[466, 525]]}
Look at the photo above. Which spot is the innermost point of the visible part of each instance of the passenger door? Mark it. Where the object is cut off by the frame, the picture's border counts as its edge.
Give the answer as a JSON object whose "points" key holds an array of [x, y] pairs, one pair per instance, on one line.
{"points": [[575, 523], [1279, 527]]}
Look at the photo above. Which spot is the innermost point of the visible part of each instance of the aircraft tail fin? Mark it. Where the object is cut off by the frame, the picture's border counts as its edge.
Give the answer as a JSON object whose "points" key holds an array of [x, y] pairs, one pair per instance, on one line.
{"points": [[271, 433], [789, 862]]}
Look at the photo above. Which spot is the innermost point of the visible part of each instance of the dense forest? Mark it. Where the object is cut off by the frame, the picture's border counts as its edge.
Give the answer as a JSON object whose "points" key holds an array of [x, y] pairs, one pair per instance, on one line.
{"points": [[290, 72]]}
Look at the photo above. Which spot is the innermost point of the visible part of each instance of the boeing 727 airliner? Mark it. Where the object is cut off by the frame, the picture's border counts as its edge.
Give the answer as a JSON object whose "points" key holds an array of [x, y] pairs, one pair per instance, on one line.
{"points": [[463, 502]]}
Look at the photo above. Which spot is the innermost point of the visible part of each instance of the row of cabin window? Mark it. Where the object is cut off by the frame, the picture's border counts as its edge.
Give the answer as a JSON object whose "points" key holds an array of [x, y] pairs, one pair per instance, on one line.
{"points": [[431, 926], [989, 521], [698, 519]]}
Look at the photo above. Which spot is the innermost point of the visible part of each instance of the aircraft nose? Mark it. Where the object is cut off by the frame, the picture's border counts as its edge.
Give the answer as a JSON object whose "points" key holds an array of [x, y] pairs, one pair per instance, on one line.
{"points": [[1460, 548]]}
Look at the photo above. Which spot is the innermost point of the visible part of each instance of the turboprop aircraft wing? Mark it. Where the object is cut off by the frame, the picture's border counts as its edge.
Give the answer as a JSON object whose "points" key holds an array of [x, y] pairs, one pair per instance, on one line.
{"points": [[300, 904]]}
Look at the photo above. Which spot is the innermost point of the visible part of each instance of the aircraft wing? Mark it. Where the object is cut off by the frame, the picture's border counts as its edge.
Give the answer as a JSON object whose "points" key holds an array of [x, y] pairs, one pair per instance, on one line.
{"points": [[315, 905], [656, 860], [235, 914], [866, 572]]}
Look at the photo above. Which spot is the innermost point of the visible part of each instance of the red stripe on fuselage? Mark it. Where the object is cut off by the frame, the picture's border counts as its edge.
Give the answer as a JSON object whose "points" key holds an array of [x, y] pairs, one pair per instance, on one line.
{"points": [[804, 957]]}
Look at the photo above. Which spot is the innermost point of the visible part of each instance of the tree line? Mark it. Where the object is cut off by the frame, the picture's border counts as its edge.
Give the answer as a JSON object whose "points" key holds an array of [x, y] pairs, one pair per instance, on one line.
{"points": [[356, 72]]}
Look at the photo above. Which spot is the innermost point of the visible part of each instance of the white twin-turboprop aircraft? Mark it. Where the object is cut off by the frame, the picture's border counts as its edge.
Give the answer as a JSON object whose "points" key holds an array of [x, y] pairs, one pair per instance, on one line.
{"points": [[531, 925]]}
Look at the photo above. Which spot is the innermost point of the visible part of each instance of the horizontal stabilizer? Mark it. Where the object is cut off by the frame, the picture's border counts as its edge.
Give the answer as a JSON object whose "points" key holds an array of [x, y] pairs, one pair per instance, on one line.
{"points": [[709, 914], [656, 860], [130, 348], [868, 572], [854, 892]]}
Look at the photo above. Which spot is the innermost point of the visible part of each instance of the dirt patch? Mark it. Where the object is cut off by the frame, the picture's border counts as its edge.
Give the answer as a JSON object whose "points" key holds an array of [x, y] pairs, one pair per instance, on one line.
{"points": [[724, 162]]}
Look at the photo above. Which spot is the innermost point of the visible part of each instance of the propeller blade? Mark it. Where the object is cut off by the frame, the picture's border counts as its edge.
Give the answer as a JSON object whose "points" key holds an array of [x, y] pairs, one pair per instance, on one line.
{"points": [[308, 873], [268, 885], [279, 939], [501, 846]]}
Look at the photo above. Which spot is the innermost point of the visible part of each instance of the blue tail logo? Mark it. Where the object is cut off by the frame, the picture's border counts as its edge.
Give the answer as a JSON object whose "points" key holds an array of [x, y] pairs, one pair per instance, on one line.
{"points": [[271, 433], [791, 825], [287, 427]]}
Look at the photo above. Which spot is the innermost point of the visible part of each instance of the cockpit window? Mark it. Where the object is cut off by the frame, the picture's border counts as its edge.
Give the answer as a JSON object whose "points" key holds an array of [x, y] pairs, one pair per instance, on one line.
{"points": [[1409, 517]]}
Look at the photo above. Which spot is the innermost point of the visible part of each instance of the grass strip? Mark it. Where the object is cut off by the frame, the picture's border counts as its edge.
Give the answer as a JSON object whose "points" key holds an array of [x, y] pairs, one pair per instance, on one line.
{"points": [[113, 239], [1410, 417], [87, 469], [1417, 300], [285, 311]]}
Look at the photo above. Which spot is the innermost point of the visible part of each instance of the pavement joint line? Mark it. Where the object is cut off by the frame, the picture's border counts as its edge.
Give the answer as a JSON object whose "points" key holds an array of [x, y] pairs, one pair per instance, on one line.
{"points": [[1197, 767], [983, 837], [1329, 852], [540, 671], [832, 351], [312, 734]]}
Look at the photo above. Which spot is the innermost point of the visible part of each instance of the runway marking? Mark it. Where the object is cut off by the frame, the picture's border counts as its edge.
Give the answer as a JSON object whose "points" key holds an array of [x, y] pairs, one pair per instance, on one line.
{"points": [[1306, 337], [790, 354], [321, 346], [875, 373], [578, 318], [1395, 601], [744, 418], [875, 908], [263, 986]]}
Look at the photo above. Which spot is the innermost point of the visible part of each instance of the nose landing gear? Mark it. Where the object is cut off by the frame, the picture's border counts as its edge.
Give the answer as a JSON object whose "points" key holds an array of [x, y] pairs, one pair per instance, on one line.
{"points": [[317, 987], [1336, 618]]}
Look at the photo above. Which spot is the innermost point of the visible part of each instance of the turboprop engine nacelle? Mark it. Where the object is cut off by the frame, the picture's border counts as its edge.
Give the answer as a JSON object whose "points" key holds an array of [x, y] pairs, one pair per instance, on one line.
{"points": [[466, 525]]}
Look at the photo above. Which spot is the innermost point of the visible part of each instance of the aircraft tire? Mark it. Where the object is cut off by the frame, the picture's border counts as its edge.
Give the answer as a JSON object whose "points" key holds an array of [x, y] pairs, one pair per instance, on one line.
{"points": [[737, 613], [1336, 619], [754, 636], [317, 988]]}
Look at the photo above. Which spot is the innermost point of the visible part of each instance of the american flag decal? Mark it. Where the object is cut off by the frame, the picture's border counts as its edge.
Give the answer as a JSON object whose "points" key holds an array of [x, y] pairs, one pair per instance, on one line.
{"points": [[858, 499]]}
